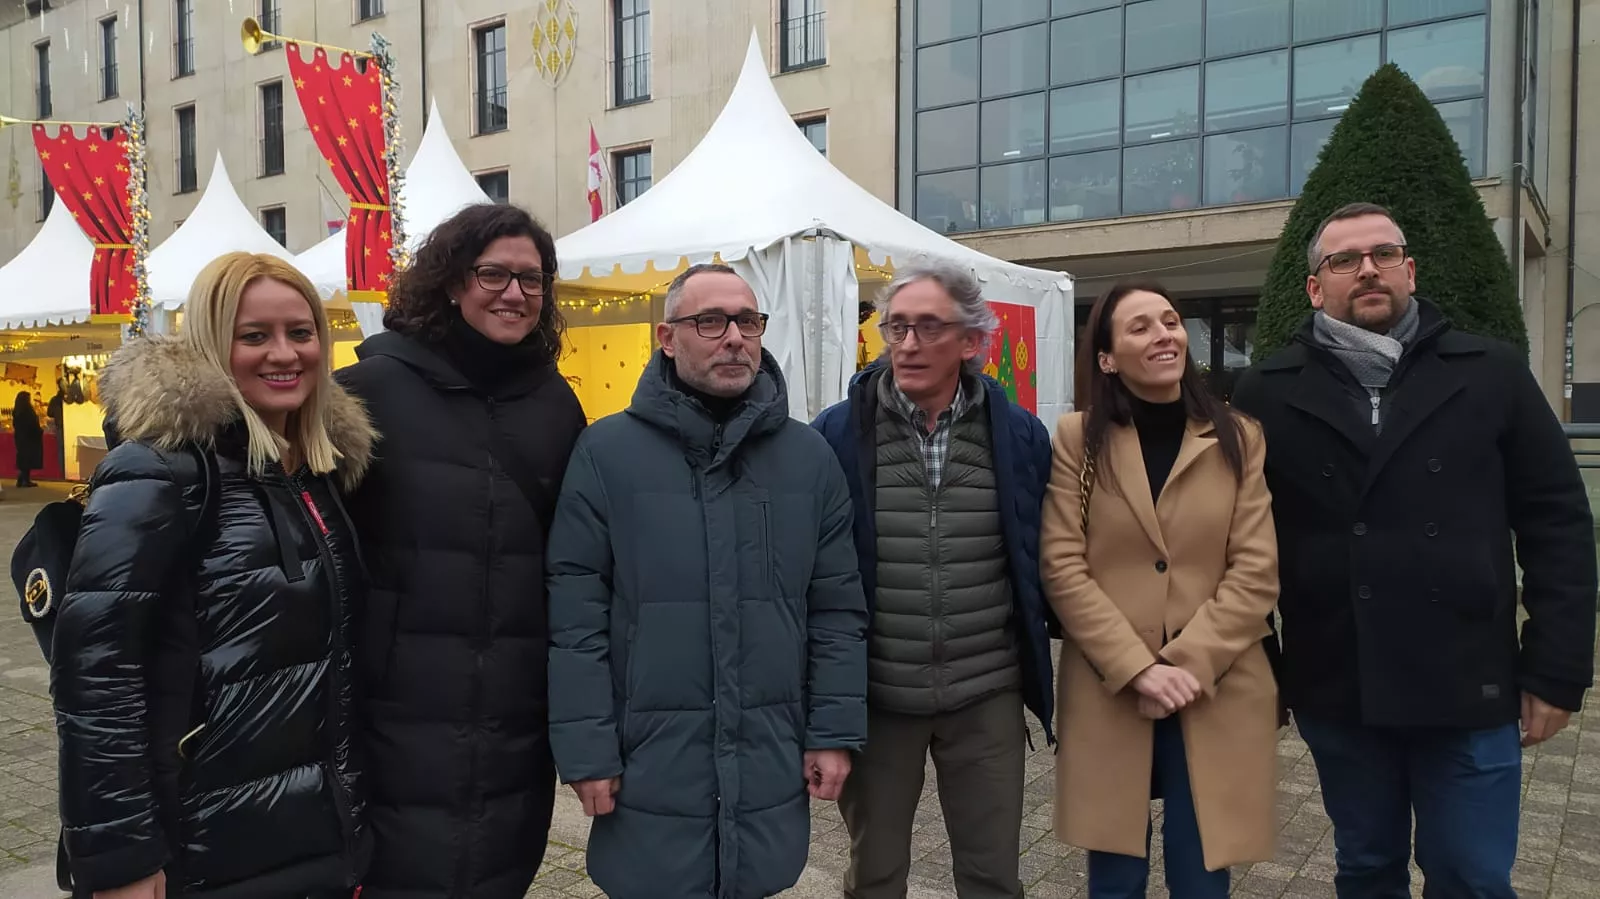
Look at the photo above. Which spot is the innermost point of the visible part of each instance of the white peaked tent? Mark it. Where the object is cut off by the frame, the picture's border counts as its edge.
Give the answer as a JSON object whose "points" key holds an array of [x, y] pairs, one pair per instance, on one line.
{"points": [[47, 283], [219, 224], [437, 185], [757, 194]]}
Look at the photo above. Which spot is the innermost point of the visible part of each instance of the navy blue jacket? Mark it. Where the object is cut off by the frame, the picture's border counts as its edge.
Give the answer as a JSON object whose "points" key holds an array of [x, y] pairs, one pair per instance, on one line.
{"points": [[1021, 447]]}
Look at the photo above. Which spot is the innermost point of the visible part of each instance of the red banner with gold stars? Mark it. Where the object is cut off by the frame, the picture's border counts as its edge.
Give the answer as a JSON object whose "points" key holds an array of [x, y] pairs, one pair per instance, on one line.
{"points": [[1012, 354], [343, 104], [90, 175]]}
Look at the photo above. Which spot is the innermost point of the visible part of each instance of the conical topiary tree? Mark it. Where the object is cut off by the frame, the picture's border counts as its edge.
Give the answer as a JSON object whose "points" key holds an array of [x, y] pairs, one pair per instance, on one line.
{"points": [[1392, 148]]}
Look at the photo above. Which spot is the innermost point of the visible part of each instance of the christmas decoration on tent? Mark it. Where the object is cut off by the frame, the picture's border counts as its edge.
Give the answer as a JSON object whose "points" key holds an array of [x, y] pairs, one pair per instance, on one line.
{"points": [[1011, 359], [139, 212], [351, 102], [95, 177]]}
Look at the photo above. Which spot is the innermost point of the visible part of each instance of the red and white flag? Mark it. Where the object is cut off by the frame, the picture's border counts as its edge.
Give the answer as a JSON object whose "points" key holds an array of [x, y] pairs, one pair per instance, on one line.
{"points": [[597, 177]]}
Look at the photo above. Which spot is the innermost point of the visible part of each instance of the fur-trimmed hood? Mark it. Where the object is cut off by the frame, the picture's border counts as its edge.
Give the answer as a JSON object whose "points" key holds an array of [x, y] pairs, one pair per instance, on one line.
{"points": [[159, 391]]}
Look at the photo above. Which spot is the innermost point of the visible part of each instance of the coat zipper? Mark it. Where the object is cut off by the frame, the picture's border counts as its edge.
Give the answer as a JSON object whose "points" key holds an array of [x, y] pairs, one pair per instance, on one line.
{"points": [[341, 801], [1376, 400], [480, 645]]}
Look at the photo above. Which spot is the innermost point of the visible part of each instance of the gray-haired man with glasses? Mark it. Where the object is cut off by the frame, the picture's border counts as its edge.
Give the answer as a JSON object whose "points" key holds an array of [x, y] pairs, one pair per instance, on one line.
{"points": [[948, 477], [708, 631], [1403, 455]]}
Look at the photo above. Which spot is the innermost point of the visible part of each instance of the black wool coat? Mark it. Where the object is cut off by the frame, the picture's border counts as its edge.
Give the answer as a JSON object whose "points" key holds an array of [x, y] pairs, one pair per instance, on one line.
{"points": [[1398, 550]]}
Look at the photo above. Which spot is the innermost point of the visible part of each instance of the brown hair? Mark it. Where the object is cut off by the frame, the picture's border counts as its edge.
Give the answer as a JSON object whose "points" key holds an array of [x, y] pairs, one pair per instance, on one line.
{"points": [[1105, 400], [1347, 211], [419, 303]]}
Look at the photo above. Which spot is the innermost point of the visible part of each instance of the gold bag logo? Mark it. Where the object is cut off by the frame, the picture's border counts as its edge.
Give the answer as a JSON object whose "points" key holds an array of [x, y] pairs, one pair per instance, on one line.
{"points": [[38, 593]]}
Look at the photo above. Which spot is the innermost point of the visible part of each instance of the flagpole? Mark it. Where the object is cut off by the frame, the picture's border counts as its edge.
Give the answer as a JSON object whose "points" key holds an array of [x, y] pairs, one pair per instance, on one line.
{"points": [[609, 181]]}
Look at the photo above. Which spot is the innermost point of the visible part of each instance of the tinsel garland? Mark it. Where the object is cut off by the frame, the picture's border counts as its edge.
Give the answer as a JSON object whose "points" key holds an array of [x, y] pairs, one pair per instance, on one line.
{"points": [[383, 55], [139, 213]]}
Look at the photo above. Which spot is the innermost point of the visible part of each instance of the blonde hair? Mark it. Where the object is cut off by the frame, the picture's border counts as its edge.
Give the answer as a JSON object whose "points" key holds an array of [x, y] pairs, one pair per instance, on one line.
{"points": [[211, 314]]}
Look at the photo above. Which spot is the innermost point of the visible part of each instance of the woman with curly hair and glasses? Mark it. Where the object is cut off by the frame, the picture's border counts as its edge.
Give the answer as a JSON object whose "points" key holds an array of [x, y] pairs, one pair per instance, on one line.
{"points": [[477, 426]]}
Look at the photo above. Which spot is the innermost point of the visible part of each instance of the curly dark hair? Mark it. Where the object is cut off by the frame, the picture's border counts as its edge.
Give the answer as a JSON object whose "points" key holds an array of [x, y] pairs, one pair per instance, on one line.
{"points": [[419, 303]]}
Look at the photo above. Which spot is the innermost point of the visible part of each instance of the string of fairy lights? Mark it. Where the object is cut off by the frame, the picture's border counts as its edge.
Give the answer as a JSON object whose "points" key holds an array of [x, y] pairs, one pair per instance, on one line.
{"points": [[600, 304], [139, 214], [393, 144]]}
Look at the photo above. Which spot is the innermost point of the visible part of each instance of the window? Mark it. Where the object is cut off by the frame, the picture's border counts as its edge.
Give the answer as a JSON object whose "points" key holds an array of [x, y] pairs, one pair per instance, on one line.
{"points": [[489, 53], [275, 221], [47, 195], [188, 170], [271, 128], [41, 57], [269, 17], [1075, 109], [816, 131], [804, 38], [108, 58], [183, 40], [633, 174], [632, 51], [496, 184], [368, 9]]}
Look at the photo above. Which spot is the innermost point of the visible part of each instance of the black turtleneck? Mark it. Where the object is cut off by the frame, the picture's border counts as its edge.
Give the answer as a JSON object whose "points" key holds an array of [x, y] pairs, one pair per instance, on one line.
{"points": [[486, 363], [720, 407], [1160, 427]]}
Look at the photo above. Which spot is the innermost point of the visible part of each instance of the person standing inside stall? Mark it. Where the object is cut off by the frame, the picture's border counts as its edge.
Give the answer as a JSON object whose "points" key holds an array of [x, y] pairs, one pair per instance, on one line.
{"points": [[28, 435]]}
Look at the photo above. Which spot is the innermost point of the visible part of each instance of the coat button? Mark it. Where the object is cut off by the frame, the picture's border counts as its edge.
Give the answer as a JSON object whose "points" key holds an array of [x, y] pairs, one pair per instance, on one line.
{"points": [[1364, 591], [1327, 470], [1433, 465], [1431, 529], [1360, 529], [1161, 566]]}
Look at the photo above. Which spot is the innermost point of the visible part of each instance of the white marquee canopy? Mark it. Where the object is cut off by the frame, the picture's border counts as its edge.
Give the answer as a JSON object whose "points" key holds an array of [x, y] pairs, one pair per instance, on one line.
{"points": [[47, 283], [757, 194]]}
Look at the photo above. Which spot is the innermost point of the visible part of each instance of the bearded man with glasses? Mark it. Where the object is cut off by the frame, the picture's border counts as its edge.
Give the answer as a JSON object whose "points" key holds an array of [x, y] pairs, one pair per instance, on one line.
{"points": [[1403, 456], [708, 631], [948, 478]]}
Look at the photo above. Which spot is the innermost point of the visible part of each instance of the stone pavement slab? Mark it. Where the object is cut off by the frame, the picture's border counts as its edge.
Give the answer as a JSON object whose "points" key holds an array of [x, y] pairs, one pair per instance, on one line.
{"points": [[1558, 856]]}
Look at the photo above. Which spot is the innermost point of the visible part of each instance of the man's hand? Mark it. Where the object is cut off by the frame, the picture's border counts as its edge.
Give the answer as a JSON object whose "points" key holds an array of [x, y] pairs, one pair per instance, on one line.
{"points": [[1170, 686], [826, 770], [1541, 720], [152, 887], [1152, 709], [596, 795]]}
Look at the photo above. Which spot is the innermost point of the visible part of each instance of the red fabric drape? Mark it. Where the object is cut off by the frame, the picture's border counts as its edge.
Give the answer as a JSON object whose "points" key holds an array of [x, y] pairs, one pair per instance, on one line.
{"points": [[90, 175], [344, 107]]}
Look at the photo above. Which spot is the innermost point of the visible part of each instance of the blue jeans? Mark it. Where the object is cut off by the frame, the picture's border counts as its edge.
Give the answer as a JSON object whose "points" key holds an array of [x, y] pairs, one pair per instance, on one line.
{"points": [[1116, 876], [1463, 785]]}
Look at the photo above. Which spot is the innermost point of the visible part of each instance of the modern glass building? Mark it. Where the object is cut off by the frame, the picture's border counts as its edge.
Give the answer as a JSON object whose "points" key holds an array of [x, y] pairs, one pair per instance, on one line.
{"points": [[1168, 138]]}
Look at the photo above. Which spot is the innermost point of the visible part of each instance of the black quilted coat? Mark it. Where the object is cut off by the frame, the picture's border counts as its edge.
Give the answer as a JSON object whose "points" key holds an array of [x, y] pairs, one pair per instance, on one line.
{"points": [[454, 640], [202, 675]]}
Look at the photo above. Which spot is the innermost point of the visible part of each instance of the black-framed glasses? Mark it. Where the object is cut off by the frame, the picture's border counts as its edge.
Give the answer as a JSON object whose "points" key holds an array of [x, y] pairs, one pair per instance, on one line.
{"points": [[495, 278], [713, 325], [1387, 255], [928, 330]]}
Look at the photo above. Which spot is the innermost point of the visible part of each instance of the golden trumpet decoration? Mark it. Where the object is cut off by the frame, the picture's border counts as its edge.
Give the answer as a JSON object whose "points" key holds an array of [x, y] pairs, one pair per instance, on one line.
{"points": [[252, 35], [7, 121]]}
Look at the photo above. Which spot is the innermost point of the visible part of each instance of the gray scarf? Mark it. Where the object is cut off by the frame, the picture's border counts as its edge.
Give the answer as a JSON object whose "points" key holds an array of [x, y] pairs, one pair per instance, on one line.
{"points": [[1370, 357]]}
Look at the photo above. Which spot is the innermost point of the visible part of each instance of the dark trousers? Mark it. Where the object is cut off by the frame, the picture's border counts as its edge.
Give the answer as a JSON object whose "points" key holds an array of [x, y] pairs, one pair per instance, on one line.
{"points": [[1463, 786], [978, 756], [1115, 876]]}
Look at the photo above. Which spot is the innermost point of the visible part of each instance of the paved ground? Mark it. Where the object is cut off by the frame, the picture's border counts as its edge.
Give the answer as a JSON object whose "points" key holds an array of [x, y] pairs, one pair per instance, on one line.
{"points": [[1559, 856]]}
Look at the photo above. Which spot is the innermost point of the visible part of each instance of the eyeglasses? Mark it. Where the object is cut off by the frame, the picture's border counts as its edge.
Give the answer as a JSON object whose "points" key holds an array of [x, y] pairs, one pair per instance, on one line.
{"points": [[713, 325], [494, 279], [1386, 255], [929, 330]]}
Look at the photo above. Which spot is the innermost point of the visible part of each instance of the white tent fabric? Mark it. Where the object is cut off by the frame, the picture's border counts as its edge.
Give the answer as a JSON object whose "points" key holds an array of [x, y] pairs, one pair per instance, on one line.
{"points": [[47, 283], [437, 186], [219, 224], [754, 182]]}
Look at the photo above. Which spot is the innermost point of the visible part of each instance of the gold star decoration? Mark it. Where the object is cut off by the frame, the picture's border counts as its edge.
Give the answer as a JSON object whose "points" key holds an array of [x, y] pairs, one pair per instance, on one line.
{"points": [[347, 81], [352, 218], [45, 155], [372, 108], [343, 141], [122, 168], [88, 196], [366, 251], [383, 235], [299, 84], [99, 182], [98, 257], [322, 101], [354, 123], [94, 148]]}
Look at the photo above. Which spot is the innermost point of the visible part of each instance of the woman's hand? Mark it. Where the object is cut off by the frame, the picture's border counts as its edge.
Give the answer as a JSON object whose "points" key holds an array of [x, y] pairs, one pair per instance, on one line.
{"points": [[152, 887], [1168, 686]]}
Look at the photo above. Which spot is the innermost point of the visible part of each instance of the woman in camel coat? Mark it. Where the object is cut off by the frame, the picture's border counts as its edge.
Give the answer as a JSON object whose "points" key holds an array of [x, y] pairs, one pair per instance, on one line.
{"points": [[1164, 687]]}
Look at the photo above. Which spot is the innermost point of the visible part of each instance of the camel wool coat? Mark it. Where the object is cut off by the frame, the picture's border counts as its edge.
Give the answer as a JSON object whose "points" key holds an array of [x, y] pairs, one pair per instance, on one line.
{"points": [[1189, 580]]}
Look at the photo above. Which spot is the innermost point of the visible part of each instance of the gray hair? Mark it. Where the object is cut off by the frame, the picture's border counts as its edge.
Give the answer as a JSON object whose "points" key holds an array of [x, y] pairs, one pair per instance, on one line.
{"points": [[675, 289], [1347, 211], [965, 292]]}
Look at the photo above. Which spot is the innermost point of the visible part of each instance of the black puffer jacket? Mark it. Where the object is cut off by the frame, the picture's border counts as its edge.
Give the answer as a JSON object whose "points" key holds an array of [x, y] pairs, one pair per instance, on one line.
{"points": [[454, 639], [202, 681]]}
